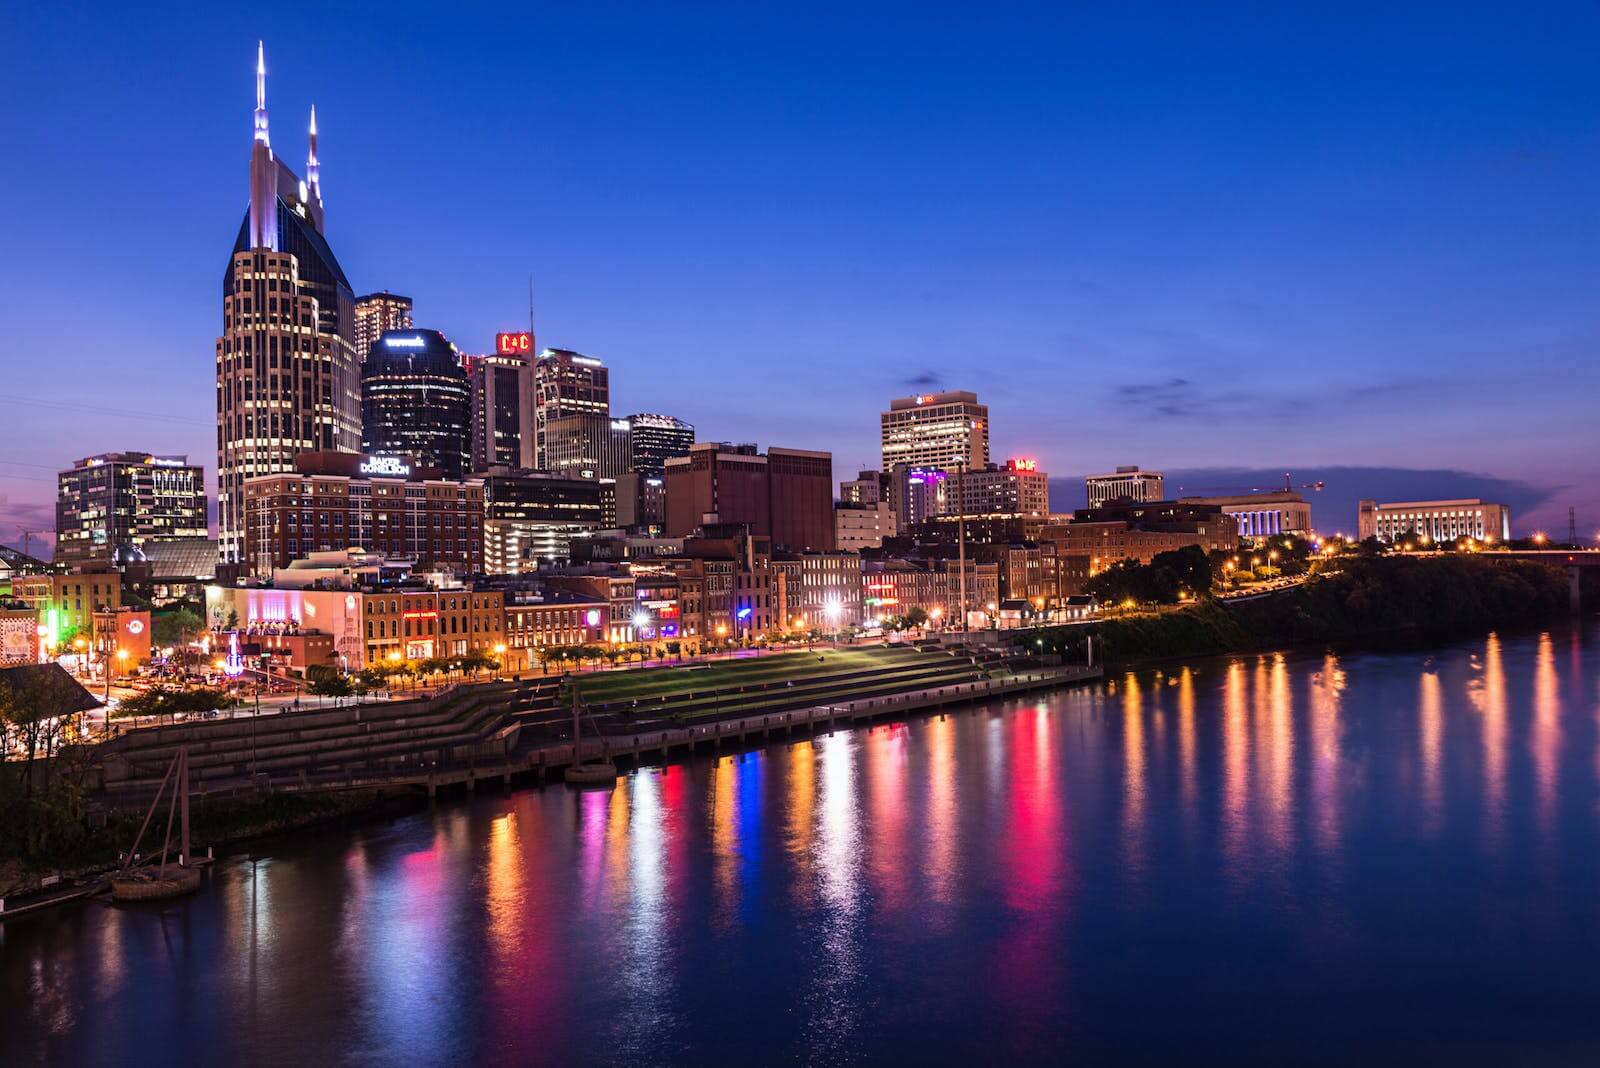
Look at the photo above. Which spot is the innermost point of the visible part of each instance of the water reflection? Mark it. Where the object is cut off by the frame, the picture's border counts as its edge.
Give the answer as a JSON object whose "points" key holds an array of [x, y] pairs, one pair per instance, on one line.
{"points": [[999, 884], [830, 1001], [1488, 694], [1430, 733], [1546, 729]]}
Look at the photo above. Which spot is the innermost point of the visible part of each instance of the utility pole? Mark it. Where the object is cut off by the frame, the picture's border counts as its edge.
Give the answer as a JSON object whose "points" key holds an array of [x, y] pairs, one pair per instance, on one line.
{"points": [[1572, 526], [961, 562]]}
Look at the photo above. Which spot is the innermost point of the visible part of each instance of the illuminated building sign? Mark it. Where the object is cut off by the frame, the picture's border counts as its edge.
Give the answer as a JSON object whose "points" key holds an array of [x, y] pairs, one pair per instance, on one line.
{"points": [[412, 342], [136, 626], [513, 344], [592, 617], [1022, 465], [385, 465]]}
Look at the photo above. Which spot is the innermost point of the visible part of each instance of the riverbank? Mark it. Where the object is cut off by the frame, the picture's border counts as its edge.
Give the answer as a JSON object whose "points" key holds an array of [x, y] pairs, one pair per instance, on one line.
{"points": [[218, 823], [1381, 597]]}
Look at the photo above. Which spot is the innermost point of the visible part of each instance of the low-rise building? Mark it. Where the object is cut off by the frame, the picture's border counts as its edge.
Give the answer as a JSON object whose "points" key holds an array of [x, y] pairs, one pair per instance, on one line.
{"points": [[1096, 538], [818, 591], [539, 618], [862, 526], [1262, 515], [385, 504], [1446, 520], [1128, 484], [65, 603]]}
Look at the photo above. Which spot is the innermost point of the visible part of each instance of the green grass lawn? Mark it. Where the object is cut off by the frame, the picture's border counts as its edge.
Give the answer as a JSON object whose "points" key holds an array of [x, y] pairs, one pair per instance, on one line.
{"points": [[625, 685]]}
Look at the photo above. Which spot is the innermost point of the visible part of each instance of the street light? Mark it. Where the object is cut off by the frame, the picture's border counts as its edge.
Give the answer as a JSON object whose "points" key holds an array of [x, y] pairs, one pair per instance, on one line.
{"points": [[641, 620]]}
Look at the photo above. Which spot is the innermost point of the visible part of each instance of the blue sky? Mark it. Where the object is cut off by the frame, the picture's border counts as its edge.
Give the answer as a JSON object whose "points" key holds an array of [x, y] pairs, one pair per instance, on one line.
{"points": [[1272, 237]]}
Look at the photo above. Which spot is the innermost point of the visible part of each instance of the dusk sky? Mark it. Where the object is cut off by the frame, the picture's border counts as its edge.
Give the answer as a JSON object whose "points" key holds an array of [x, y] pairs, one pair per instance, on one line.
{"points": [[1346, 242]]}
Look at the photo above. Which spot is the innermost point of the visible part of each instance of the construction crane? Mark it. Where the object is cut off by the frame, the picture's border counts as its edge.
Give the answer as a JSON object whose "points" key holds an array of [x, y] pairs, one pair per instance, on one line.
{"points": [[1289, 486], [27, 539]]}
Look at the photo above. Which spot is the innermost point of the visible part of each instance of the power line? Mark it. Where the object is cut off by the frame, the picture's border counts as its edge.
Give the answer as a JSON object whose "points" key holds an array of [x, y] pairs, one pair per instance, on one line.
{"points": [[95, 409]]}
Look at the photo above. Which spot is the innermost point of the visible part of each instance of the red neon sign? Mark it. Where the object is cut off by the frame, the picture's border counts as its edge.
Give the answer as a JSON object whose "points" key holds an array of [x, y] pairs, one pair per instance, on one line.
{"points": [[1023, 465], [514, 344]]}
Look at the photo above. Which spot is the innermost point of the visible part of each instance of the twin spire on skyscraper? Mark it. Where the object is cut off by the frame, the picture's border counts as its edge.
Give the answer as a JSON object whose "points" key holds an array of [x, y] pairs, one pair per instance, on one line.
{"points": [[261, 93], [313, 168]]}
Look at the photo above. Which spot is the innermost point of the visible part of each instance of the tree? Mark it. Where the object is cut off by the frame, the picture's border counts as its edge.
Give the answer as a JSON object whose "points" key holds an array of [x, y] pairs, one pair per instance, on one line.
{"points": [[1127, 580], [372, 678], [169, 701], [177, 627], [325, 681], [1191, 566], [915, 617]]}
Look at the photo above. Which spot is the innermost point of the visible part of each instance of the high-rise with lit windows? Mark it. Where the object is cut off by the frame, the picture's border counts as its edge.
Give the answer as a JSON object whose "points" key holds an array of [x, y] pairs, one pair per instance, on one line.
{"points": [[287, 373], [948, 431], [377, 313]]}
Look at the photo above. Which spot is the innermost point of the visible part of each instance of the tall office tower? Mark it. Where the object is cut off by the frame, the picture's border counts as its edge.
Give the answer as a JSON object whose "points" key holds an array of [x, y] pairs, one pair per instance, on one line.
{"points": [[127, 498], [288, 378], [586, 445], [944, 430], [1125, 484], [502, 411], [568, 384], [656, 439], [375, 315], [416, 401]]}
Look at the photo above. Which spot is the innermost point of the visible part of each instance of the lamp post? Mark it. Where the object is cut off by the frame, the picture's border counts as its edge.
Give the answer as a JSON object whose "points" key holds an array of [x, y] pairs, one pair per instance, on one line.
{"points": [[641, 620], [833, 610]]}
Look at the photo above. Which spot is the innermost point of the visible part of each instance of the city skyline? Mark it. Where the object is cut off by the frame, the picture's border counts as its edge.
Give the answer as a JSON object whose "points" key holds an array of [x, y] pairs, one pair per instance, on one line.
{"points": [[1184, 345]]}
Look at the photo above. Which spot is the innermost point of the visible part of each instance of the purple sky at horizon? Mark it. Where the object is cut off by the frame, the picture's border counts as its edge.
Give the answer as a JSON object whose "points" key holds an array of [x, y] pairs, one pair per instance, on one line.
{"points": [[1265, 240]]}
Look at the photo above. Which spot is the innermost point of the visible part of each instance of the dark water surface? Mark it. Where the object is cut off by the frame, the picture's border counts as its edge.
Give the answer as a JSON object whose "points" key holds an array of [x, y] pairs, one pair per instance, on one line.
{"points": [[1385, 854]]}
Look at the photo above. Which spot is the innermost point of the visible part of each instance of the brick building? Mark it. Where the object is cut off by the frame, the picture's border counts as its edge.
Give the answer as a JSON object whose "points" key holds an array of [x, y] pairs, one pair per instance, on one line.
{"points": [[383, 504]]}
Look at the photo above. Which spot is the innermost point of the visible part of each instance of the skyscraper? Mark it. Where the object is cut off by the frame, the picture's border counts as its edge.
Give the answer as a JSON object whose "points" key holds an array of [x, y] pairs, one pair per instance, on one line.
{"points": [[947, 430], [127, 498], [376, 313], [656, 439], [568, 384], [502, 411], [287, 374], [416, 401]]}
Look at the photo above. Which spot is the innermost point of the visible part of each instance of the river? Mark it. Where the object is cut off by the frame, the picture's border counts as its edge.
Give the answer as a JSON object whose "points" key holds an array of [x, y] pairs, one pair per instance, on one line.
{"points": [[1390, 853]]}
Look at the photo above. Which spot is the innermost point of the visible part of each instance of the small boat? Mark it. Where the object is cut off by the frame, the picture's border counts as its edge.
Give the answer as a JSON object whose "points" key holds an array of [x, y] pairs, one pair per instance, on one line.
{"points": [[162, 880], [154, 884], [600, 773], [595, 773]]}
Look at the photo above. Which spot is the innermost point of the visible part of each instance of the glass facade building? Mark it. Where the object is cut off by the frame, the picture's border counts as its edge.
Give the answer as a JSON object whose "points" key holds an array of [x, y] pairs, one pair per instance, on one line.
{"points": [[416, 400]]}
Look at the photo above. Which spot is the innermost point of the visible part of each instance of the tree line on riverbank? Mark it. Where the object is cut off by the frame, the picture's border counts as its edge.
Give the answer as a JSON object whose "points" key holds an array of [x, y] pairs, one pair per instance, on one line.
{"points": [[1368, 596]]}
